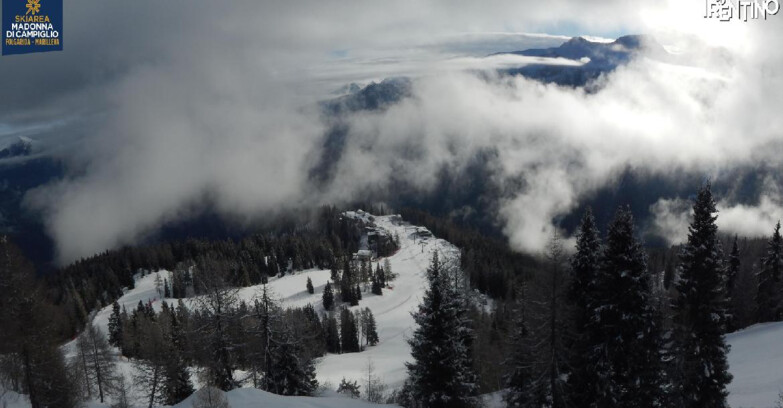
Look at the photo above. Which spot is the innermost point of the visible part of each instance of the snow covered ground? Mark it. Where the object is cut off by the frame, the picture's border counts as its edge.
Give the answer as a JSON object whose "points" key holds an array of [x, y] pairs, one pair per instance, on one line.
{"points": [[756, 358], [756, 361], [253, 398]]}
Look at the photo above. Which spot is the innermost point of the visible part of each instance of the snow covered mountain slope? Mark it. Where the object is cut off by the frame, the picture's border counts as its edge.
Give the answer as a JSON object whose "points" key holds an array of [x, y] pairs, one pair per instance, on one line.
{"points": [[756, 361], [392, 309]]}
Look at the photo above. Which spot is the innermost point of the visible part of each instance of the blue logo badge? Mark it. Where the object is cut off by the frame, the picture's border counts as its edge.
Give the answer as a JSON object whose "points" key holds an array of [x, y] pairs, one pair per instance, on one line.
{"points": [[32, 26]]}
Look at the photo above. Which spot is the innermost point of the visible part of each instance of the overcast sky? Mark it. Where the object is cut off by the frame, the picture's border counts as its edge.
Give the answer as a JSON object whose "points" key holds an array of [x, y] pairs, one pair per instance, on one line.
{"points": [[179, 100]]}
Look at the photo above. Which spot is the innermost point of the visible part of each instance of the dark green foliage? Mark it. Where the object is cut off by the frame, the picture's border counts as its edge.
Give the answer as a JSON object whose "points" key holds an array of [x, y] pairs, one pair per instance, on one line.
{"points": [[291, 375], [328, 296], [310, 288], [32, 361], [770, 291], [115, 326], [369, 328], [520, 379], [347, 282], [626, 352], [349, 333], [732, 268], [166, 290], [349, 388], [700, 314], [332, 334], [584, 297], [378, 281], [732, 274], [441, 372]]}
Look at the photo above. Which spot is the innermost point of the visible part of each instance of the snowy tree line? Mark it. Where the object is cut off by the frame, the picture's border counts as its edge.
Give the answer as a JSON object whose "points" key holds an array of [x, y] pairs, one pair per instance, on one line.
{"points": [[289, 245]]}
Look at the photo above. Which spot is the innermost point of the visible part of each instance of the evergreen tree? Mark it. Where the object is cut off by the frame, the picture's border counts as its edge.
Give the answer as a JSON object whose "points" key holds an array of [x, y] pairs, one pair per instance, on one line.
{"points": [[115, 326], [310, 288], [520, 380], [349, 333], [346, 283], [376, 288], [388, 275], [176, 383], [349, 388], [328, 296], [440, 375], [627, 356], [582, 294], [332, 334], [357, 297], [732, 274], [733, 268], [292, 374], [151, 365], [700, 314], [369, 327], [334, 273], [268, 321], [769, 294], [380, 275], [166, 290], [32, 361]]}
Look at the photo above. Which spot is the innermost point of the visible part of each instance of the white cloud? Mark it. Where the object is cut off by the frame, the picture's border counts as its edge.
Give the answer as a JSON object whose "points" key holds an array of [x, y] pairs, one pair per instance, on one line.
{"points": [[181, 103]]}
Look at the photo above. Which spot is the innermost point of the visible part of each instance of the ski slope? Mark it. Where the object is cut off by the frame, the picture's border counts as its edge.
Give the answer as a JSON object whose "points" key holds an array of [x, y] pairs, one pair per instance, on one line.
{"points": [[392, 310], [756, 361]]}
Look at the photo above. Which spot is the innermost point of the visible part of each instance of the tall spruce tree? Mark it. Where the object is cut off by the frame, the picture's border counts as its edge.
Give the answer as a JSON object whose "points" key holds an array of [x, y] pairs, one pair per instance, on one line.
{"points": [[292, 373], [583, 296], [520, 380], [732, 273], [176, 384], [346, 283], [732, 268], [700, 314], [115, 326], [332, 334], [769, 294], [328, 296], [369, 327], [627, 353], [441, 374], [349, 333]]}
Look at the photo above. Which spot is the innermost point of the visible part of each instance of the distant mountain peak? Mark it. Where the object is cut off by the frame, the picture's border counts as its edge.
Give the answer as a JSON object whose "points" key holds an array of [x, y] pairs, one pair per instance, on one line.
{"points": [[596, 58], [23, 146]]}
